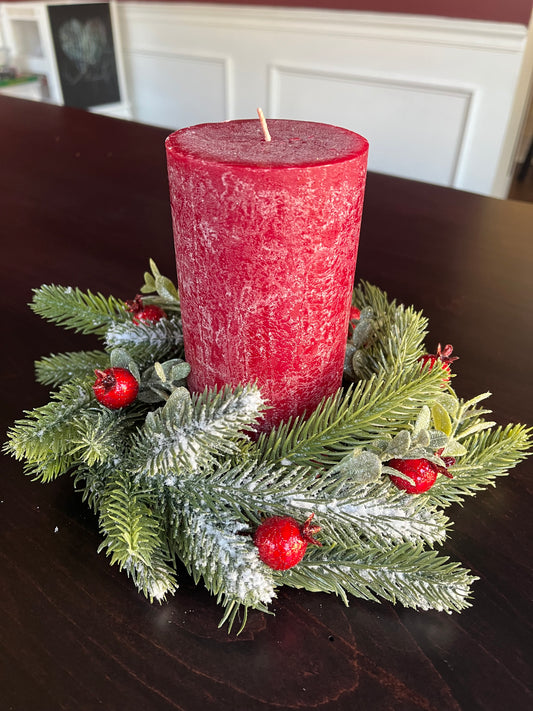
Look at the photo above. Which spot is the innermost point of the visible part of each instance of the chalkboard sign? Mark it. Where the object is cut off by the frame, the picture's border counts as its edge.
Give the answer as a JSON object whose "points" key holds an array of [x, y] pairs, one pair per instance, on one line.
{"points": [[85, 54]]}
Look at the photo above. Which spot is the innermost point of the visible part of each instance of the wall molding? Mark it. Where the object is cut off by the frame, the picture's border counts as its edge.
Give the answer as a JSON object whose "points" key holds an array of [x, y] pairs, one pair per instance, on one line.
{"points": [[481, 34], [467, 94]]}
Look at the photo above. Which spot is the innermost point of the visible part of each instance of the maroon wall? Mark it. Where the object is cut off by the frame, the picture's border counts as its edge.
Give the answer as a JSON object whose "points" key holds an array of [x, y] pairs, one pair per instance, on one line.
{"points": [[496, 10]]}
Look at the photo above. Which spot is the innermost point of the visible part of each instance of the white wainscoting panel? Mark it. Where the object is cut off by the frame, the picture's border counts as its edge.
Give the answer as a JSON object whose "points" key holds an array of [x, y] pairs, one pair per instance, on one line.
{"points": [[161, 88], [433, 95], [415, 130]]}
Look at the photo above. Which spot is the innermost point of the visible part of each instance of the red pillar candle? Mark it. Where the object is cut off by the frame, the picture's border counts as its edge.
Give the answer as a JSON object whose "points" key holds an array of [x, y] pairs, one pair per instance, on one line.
{"points": [[266, 237]]}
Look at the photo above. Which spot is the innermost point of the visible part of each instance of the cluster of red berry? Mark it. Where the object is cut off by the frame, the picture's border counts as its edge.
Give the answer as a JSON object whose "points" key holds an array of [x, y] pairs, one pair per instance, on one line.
{"points": [[116, 388], [423, 472]]}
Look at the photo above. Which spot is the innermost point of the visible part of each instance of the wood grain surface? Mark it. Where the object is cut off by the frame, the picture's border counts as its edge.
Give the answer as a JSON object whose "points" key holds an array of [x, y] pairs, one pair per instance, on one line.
{"points": [[84, 201]]}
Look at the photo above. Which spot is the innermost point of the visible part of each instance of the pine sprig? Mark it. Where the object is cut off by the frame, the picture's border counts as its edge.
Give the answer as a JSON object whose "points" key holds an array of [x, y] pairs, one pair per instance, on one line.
{"points": [[347, 511], [378, 407], [490, 454], [134, 539], [393, 335], [409, 575], [189, 433], [54, 370], [101, 436], [146, 342], [83, 312], [43, 438], [213, 549]]}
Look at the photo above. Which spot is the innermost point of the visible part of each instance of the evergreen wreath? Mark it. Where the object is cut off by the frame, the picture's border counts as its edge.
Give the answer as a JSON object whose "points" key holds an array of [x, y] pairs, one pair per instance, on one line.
{"points": [[176, 476]]}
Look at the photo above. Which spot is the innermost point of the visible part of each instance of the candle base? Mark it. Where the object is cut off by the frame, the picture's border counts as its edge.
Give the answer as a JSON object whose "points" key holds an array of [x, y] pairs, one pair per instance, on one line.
{"points": [[179, 469]]}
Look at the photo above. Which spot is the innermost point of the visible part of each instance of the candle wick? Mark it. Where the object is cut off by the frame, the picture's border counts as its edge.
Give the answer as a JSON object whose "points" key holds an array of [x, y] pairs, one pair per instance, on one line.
{"points": [[264, 126]]}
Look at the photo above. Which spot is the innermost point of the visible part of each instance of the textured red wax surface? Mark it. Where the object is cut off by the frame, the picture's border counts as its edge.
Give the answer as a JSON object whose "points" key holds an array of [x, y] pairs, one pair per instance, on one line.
{"points": [[266, 238]]}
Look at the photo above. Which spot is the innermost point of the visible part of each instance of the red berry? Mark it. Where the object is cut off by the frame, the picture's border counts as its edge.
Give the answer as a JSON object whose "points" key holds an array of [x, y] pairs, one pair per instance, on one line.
{"points": [[281, 541], [115, 387], [355, 313], [421, 471], [442, 356], [151, 312]]}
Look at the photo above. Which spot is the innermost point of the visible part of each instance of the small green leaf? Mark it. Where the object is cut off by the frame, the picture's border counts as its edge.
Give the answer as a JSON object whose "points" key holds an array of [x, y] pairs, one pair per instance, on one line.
{"points": [[362, 466], [153, 267], [441, 419], [120, 358], [399, 446], [449, 403], [149, 284], [423, 420], [160, 372], [166, 288], [437, 440], [178, 401], [180, 371], [454, 449], [416, 453], [422, 439]]}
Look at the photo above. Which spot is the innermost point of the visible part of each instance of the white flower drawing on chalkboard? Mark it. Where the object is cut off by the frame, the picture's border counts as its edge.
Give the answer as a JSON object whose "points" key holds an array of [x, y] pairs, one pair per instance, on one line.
{"points": [[85, 44]]}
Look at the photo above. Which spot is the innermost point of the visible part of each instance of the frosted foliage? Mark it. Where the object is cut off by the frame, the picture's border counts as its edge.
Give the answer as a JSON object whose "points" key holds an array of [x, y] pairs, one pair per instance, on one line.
{"points": [[417, 592], [412, 590], [200, 435], [155, 335], [217, 550], [390, 516], [154, 581]]}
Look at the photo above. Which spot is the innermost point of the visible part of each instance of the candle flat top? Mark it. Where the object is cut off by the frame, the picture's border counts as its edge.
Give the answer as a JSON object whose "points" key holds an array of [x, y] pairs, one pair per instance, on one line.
{"points": [[294, 143]]}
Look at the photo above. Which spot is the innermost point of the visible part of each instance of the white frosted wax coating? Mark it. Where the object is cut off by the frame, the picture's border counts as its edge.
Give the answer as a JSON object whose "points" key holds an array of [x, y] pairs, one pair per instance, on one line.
{"points": [[266, 237]]}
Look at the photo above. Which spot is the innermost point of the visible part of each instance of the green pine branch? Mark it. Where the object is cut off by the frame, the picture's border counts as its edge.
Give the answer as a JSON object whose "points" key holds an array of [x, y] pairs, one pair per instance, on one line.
{"points": [[347, 511], [43, 438], [83, 312], [392, 336], [191, 432], [54, 370], [91, 481], [134, 538], [146, 342], [375, 408], [409, 575], [102, 435], [214, 550], [490, 453]]}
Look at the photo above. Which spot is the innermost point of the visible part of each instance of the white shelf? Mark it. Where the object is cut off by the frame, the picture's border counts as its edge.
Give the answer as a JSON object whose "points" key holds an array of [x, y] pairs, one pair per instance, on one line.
{"points": [[27, 32]]}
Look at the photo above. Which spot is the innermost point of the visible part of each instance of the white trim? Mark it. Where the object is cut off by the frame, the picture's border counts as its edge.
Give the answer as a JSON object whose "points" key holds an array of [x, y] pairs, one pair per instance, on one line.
{"points": [[505, 37], [524, 92]]}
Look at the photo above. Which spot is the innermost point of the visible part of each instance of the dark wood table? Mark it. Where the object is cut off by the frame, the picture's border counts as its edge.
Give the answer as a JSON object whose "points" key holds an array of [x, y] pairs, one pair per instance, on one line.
{"points": [[84, 201]]}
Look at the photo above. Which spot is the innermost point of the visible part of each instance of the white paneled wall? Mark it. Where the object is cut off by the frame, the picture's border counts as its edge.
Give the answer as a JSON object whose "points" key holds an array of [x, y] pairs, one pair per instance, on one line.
{"points": [[432, 95]]}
